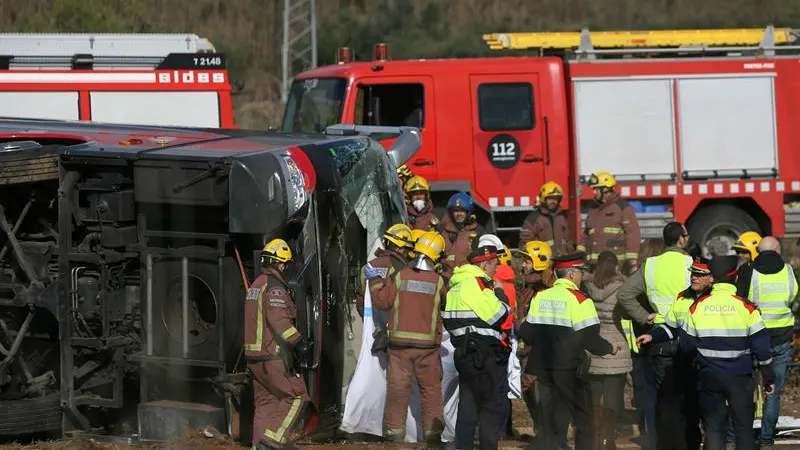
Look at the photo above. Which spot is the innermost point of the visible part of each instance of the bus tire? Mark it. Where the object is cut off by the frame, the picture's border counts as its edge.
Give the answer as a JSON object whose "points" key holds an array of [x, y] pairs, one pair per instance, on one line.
{"points": [[717, 227]]}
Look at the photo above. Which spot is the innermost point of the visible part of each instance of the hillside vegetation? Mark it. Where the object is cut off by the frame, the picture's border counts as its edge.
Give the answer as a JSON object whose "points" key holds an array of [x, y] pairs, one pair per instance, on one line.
{"points": [[249, 31]]}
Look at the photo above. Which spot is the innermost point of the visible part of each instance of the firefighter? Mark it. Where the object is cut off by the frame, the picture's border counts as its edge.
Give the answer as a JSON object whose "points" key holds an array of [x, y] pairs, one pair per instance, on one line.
{"points": [[414, 296], [548, 222], [561, 325], [275, 351], [459, 229], [420, 207], [770, 283], [746, 248], [729, 336], [473, 317], [397, 243], [661, 279], [686, 433], [404, 174], [611, 223]]}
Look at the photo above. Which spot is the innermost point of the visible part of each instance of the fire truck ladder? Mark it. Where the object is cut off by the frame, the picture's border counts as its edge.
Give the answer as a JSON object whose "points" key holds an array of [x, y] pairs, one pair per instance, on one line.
{"points": [[740, 40], [106, 51]]}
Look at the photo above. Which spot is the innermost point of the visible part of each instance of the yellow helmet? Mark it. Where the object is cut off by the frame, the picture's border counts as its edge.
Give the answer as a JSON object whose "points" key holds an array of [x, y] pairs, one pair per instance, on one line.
{"points": [[417, 184], [748, 241], [415, 235], [550, 189], [404, 173], [540, 253], [602, 179], [505, 256], [430, 244], [399, 234], [276, 250]]}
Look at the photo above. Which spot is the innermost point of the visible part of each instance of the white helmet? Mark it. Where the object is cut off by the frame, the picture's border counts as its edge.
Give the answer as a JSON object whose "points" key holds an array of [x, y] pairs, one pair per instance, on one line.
{"points": [[492, 241]]}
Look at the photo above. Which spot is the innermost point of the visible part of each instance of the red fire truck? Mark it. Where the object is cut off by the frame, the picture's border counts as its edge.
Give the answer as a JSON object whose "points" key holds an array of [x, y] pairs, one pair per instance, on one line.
{"points": [[697, 125], [142, 79]]}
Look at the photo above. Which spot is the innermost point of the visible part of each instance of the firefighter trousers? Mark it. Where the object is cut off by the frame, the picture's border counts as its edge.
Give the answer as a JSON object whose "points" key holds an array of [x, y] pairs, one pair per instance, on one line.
{"points": [[481, 391], [404, 364], [280, 401]]}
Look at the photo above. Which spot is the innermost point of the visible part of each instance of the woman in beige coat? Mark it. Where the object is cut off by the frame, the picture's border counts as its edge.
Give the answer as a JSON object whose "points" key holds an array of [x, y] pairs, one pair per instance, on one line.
{"points": [[607, 373]]}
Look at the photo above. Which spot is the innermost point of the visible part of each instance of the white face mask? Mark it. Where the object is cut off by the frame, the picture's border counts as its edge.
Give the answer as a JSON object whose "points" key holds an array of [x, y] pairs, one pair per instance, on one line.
{"points": [[419, 205]]}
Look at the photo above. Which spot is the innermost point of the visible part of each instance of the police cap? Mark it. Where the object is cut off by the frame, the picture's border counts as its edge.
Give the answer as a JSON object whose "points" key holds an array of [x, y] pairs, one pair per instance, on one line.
{"points": [[700, 267], [723, 266], [571, 261], [483, 253]]}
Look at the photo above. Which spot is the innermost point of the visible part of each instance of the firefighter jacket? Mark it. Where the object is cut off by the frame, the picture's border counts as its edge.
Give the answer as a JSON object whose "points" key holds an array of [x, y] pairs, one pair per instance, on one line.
{"points": [[422, 220], [659, 280], [728, 334], [770, 283], [269, 315], [676, 317], [504, 279], [561, 325], [415, 300], [611, 226], [472, 310], [386, 263], [552, 228], [457, 242]]}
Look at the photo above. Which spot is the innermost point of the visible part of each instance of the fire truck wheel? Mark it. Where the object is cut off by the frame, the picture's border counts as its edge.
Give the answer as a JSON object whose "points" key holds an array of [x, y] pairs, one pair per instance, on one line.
{"points": [[31, 415], [717, 227], [204, 300]]}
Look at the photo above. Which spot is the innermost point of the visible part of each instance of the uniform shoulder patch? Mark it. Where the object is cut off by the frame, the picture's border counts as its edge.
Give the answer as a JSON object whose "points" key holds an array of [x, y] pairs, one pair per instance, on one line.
{"points": [[693, 308], [747, 304], [580, 296], [252, 294]]}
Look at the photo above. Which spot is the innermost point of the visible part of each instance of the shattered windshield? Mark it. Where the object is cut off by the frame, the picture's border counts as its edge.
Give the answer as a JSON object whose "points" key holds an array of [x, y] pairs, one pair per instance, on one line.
{"points": [[314, 104], [370, 188]]}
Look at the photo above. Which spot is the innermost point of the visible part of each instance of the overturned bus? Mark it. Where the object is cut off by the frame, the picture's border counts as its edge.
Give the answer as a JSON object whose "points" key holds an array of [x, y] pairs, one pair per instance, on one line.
{"points": [[125, 255]]}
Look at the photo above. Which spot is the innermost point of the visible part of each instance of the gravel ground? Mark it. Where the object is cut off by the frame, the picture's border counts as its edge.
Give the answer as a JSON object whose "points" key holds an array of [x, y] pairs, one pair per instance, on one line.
{"points": [[521, 420]]}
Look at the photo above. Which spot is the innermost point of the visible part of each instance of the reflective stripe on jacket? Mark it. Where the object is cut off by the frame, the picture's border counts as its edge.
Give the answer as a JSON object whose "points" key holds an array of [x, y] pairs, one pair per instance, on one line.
{"points": [[728, 332], [414, 298], [472, 307], [774, 294], [665, 276]]}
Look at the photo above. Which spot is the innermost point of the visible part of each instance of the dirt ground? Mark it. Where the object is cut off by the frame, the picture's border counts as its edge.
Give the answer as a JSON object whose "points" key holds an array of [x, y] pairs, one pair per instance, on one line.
{"points": [[196, 440]]}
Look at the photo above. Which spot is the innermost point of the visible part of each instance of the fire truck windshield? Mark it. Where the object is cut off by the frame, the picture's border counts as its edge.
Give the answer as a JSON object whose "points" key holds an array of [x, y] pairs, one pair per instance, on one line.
{"points": [[314, 104]]}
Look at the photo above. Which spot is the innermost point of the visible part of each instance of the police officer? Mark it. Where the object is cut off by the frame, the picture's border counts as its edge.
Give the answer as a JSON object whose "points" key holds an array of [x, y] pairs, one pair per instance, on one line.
{"points": [[611, 223], [275, 350], [420, 206], [770, 283], [414, 296], [661, 279], [728, 333], [473, 317], [561, 325], [686, 434], [460, 230], [397, 243], [548, 222]]}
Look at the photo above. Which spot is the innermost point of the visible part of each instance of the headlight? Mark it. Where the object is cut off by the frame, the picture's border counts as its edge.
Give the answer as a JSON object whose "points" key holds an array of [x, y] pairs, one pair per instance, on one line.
{"points": [[295, 185]]}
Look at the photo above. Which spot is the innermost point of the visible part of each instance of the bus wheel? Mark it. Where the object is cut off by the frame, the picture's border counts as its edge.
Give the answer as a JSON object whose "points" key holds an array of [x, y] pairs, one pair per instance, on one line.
{"points": [[716, 228]]}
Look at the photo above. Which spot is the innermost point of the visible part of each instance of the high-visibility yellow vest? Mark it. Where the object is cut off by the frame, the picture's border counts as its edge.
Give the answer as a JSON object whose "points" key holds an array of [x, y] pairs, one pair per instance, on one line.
{"points": [[665, 276], [773, 294], [630, 335], [562, 305]]}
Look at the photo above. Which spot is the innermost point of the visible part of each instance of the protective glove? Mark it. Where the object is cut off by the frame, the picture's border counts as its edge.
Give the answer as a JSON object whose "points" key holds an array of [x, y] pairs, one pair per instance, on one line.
{"points": [[371, 273]]}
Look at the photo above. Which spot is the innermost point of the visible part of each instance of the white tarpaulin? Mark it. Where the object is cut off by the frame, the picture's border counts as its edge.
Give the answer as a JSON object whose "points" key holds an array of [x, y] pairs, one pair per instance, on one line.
{"points": [[366, 396]]}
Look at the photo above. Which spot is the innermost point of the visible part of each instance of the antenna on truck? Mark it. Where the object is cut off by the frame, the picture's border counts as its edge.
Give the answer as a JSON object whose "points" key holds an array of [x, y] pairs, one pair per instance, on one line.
{"points": [[584, 42]]}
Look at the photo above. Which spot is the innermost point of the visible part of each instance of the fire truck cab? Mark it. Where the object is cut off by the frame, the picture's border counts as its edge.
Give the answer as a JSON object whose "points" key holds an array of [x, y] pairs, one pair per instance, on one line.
{"points": [[141, 79], [696, 125]]}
